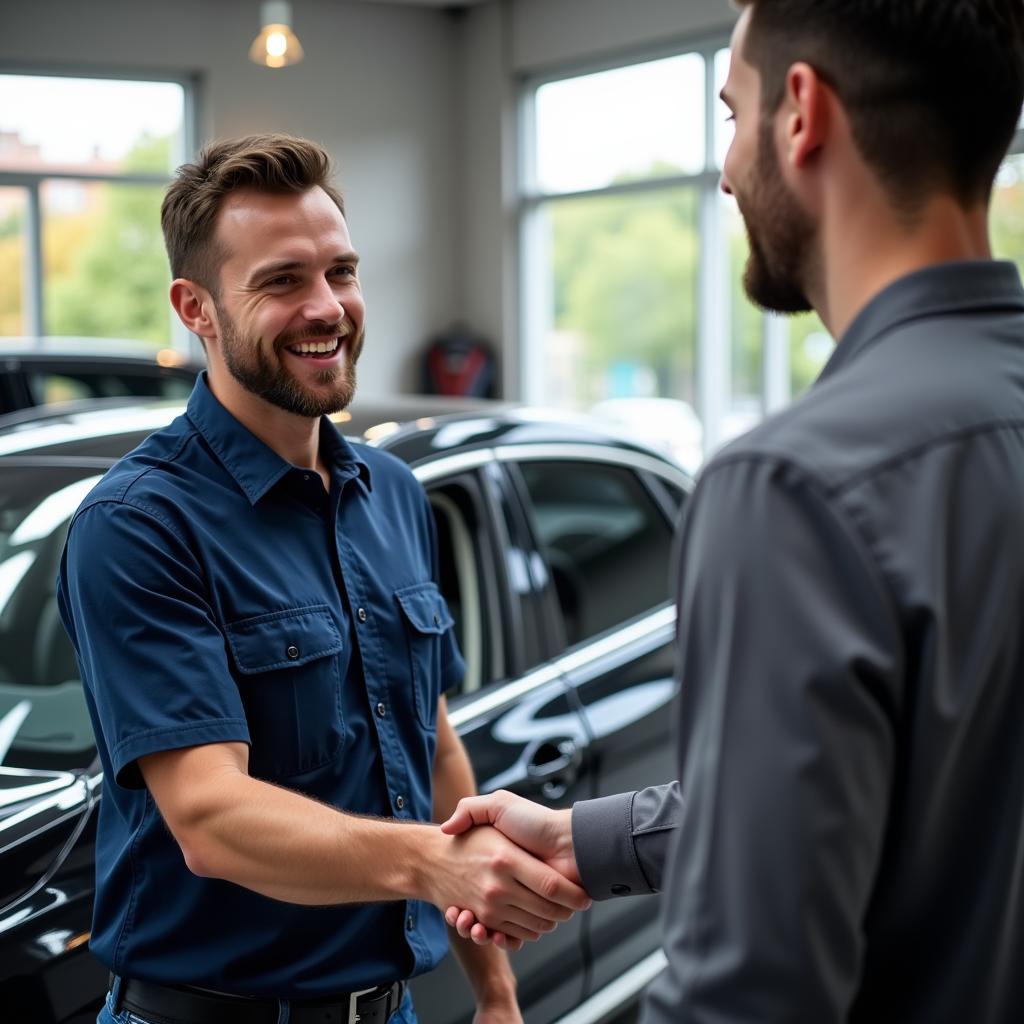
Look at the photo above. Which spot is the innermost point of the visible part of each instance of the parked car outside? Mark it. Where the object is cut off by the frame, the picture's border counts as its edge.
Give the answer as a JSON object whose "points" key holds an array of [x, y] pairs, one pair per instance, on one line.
{"points": [[666, 423], [53, 370], [555, 541]]}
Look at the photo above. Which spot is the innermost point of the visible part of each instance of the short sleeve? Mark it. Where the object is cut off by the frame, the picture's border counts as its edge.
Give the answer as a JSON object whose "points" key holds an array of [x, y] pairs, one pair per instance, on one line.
{"points": [[152, 656]]}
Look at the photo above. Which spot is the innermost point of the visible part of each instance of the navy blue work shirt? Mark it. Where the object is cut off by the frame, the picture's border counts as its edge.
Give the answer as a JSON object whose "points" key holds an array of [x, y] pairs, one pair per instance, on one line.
{"points": [[215, 593]]}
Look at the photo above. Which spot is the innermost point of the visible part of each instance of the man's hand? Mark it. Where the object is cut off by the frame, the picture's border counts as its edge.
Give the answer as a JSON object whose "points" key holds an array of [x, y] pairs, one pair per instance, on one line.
{"points": [[507, 889], [545, 834]]}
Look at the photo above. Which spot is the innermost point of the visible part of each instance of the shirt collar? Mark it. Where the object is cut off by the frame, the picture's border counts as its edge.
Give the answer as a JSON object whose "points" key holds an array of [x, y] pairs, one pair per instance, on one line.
{"points": [[965, 287], [253, 465]]}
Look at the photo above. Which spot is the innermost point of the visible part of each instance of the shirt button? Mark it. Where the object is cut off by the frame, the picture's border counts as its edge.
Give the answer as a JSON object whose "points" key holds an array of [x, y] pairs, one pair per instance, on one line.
{"points": [[361, 615], [409, 923], [305, 476], [381, 710], [621, 890], [399, 802], [292, 652], [437, 619]]}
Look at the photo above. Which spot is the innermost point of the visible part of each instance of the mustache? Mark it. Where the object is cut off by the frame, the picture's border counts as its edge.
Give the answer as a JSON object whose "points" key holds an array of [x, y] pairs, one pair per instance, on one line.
{"points": [[316, 330]]}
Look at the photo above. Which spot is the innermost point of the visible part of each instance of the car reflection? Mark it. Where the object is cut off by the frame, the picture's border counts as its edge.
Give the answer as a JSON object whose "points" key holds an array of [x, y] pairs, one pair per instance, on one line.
{"points": [[522, 726]]}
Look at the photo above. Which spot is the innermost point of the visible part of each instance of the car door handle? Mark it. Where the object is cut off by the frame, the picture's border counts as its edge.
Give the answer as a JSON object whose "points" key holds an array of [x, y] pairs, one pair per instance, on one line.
{"points": [[554, 766]]}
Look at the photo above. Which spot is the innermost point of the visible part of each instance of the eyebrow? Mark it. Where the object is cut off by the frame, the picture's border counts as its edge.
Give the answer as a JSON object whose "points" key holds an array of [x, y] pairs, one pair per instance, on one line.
{"points": [[726, 99], [282, 266]]}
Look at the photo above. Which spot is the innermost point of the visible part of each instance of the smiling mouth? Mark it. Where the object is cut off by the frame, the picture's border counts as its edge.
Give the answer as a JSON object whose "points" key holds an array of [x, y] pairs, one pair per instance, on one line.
{"points": [[321, 349]]}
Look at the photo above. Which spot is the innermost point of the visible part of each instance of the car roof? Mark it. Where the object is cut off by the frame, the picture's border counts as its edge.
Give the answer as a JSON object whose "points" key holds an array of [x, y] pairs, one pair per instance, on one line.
{"points": [[124, 351], [415, 428]]}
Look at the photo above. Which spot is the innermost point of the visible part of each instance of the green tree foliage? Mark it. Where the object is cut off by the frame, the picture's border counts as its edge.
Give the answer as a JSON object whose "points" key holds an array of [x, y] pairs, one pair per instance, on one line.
{"points": [[1008, 213], [12, 262], [625, 272], [113, 282]]}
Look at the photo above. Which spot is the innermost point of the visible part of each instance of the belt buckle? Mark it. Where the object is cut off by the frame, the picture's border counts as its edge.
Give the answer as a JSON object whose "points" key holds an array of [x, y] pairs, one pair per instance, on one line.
{"points": [[353, 1017]]}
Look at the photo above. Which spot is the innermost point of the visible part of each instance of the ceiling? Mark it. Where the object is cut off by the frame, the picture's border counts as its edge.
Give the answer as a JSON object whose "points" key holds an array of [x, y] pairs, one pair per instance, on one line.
{"points": [[429, 3]]}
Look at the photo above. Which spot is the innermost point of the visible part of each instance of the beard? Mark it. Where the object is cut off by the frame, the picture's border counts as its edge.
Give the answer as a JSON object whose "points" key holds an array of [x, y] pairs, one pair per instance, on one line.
{"points": [[266, 376], [780, 233]]}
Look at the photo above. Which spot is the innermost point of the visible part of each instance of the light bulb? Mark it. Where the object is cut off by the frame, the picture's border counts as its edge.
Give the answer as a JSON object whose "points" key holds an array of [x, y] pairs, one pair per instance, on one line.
{"points": [[276, 45]]}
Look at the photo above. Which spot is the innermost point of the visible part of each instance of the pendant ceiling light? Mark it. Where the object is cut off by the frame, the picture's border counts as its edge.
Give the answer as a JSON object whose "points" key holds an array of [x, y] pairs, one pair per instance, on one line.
{"points": [[276, 45]]}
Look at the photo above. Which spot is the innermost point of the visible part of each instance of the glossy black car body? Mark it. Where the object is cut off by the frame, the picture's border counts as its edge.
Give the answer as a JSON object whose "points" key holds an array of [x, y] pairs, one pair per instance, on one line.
{"points": [[42, 371], [555, 540]]}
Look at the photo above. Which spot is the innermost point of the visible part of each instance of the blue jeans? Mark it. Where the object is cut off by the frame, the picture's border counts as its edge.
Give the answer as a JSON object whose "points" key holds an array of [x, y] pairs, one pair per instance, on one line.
{"points": [[405, 1015]]}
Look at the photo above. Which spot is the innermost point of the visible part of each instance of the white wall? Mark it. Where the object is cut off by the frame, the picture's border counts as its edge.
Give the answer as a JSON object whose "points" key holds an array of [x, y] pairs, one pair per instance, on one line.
{"points": [[502, 42], [377, 88], [551, 33]]}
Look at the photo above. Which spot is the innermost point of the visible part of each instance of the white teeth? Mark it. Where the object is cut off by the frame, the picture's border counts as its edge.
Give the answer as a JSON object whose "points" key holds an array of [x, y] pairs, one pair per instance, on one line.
{"points": [[318, 347]]}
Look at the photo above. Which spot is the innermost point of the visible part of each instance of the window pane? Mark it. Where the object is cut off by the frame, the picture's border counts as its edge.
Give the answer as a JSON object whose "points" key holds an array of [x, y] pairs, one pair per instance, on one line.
{"points": [[725, 129], [810, 348], [1008, 212], [13, 209], [638, 122], [607, 546], [746, 391], [70, 124], [104, 261], [621, 321]]}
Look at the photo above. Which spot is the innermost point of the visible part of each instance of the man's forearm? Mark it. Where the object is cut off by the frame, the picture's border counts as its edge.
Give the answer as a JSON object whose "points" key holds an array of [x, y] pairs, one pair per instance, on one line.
{"points": [[286, 846]]}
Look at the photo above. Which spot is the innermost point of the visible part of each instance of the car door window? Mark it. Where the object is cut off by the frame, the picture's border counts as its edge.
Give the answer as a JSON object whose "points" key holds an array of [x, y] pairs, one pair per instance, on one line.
{"points": [[606, 542], [469, 589], [44, 721], [49, 387]]}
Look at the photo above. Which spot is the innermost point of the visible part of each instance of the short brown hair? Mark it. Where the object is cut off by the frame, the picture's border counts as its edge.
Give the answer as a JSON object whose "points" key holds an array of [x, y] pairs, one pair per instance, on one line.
{"points": [[933, 88], [276, 164]]}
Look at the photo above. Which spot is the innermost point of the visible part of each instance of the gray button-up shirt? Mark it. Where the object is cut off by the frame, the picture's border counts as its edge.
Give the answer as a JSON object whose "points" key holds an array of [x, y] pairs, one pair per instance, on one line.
{"points": [[850, 846]]}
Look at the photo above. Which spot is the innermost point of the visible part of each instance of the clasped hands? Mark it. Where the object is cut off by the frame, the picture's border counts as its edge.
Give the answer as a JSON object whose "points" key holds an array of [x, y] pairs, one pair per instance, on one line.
{"points": [[546, 888]]}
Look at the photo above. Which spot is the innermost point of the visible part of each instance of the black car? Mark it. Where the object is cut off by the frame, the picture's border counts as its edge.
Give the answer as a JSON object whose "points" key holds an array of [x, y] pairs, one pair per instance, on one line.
{"points": [[555, 541], [46, 371]]}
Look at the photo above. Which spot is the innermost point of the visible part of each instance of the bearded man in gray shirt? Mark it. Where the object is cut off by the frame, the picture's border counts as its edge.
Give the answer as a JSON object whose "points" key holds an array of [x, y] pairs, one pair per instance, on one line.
{"points": [[847, 839]]}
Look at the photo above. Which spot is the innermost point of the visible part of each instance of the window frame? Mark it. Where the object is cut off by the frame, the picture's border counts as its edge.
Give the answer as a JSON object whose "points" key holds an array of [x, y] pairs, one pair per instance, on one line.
{"points": [[715, 284], [32, 181]]}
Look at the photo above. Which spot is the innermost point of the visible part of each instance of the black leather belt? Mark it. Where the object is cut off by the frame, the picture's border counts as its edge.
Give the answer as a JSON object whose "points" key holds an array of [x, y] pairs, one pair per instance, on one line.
{"points": [[165, 1004]]}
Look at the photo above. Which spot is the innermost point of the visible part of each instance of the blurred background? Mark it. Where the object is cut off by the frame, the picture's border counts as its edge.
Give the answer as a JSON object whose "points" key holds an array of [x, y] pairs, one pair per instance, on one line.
{"points": [[537, 176]]}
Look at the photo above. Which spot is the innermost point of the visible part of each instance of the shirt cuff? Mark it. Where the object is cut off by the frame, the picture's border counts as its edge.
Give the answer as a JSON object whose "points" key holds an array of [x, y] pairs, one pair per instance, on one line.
{"points": [[602, 839]]}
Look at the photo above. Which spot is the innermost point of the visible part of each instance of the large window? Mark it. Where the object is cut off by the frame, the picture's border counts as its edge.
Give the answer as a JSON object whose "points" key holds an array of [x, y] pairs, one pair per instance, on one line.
{"points": [[83, 166], [632, 258]]}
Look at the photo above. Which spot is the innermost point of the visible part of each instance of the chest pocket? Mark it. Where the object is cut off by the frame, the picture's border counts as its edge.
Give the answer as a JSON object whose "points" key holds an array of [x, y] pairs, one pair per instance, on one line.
{"points": [[427, 619], [291, 688]]}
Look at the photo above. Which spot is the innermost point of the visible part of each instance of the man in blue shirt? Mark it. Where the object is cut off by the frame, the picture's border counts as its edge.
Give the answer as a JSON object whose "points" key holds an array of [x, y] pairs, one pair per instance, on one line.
{"points": [[265, 652]]}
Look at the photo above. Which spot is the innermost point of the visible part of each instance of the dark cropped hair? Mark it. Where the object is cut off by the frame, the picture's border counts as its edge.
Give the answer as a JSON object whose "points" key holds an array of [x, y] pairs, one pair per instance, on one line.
{"points": [[276, 164], [933, 88]]}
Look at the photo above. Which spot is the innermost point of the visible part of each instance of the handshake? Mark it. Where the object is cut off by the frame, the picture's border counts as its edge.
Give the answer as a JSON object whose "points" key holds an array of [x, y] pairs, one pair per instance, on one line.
{"points": [[519, 884]]}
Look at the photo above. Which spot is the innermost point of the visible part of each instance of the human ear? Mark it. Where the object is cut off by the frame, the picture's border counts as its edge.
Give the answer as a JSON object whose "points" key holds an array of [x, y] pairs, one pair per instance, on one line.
{"points": [[194, 306], [808, 104]]}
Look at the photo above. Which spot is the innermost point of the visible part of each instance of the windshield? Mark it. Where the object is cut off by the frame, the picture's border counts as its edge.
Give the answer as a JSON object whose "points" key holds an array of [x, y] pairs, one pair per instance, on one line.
{"points": [[44, 722]]}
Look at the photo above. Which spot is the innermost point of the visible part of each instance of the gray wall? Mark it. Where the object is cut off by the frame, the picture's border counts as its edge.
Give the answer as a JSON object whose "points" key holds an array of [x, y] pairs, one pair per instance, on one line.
{"points": [[417, 107], [377, 88]]}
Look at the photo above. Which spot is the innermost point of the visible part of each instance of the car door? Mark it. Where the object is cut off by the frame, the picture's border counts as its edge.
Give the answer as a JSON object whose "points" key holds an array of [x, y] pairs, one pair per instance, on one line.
{"points": [[514, 713], [603, 523]]}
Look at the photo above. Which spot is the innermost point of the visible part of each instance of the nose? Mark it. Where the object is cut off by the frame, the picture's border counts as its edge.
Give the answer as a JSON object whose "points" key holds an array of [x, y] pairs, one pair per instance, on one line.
{"points": [[322, 303], [723, 184]]}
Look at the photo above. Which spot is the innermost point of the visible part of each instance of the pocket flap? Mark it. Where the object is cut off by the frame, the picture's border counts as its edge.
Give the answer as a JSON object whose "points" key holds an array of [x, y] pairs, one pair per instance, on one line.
{"points": [[284, 639], [425, 608]]}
